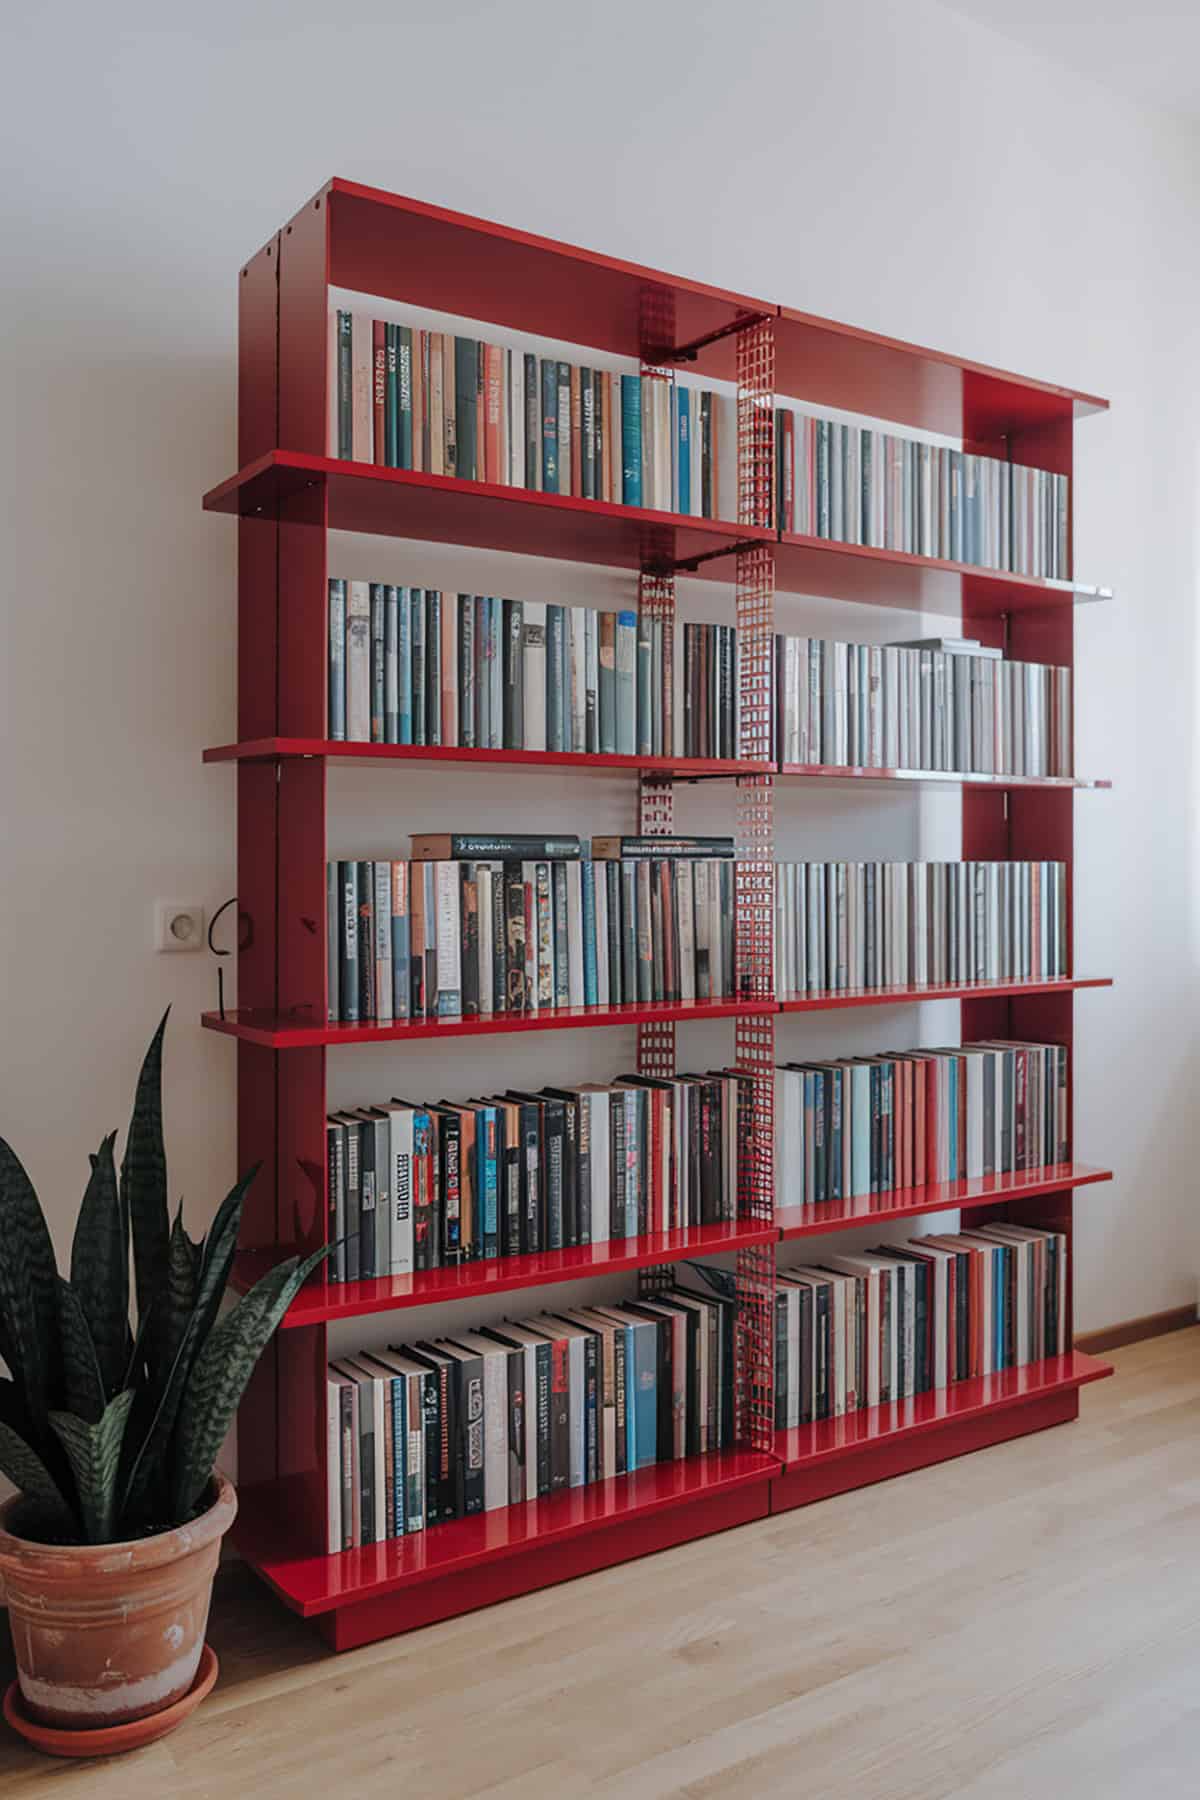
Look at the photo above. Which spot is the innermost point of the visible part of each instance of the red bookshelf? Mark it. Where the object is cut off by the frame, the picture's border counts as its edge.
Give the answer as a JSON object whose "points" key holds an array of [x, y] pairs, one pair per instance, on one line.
{"points": [[936, 778], [966, 990], [286, 497]]}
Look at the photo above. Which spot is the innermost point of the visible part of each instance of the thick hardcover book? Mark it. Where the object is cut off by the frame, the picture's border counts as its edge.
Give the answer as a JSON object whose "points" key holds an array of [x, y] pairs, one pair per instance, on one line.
{"points": [[463, 846], [606, 847]]}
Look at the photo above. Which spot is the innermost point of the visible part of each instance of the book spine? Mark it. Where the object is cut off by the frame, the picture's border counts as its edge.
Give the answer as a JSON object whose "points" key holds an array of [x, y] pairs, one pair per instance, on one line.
{"points": [[631, 440]]}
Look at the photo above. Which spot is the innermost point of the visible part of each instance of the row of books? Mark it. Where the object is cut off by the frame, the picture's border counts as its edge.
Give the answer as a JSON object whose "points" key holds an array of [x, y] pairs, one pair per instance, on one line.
{"points": [[877, 1326], [871, 1124], [856, 485], [845, 925], [425, 1186], [481, 924], [438, 1430], [407, 398], [939, 703], [411, 665]]}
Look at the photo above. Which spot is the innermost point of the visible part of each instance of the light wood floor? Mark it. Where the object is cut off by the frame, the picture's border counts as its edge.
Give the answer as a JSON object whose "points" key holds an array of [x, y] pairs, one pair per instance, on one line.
{"points": [[1018, 1624]]}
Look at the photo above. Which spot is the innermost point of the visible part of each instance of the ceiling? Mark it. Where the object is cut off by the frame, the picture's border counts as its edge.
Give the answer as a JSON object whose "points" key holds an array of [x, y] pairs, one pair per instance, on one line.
{"points": [[1151, 55]]}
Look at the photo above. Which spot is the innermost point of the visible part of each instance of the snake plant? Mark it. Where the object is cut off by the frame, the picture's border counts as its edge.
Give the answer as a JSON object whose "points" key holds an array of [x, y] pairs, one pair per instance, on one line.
{"points": [[110, 1428]]}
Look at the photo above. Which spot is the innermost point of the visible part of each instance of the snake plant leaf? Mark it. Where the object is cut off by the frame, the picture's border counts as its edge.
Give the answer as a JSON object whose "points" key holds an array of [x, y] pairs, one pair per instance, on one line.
{"points": [[94, 1453], [178, 1298], [144, 1177], [26, 1470], [100, 1271], [222, 1369], [83, 1380], [28, 1278]]}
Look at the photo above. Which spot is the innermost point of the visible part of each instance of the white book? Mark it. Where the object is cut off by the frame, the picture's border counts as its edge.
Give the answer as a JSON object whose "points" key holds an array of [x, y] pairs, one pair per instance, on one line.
{"points": [[574, 621], [448, 914], [362, 388], [495, 1416], [331, 393], [358, 662], [400, 1142], [685, 915], [334, 1541], [383, 942], [382, 1524], [533, 646], [598, 1104]]}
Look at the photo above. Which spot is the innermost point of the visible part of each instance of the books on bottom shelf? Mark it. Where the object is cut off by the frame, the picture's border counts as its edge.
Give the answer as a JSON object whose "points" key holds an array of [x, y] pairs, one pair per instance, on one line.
{"points": [[413, 1187], [846, 925], [433, 1431], [874, 1326], [942, 704], [411, 665], [871, 1124], [483, 924]]}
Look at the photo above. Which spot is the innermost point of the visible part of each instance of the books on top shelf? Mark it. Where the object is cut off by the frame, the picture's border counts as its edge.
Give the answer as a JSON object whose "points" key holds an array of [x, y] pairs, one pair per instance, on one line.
{"points": [[881, 1325], [856, 485], [841, 926], [407, 398], [441, 1429], [415, 1186], [872, 1124], [411, 665], [942, 704], [483, 924]]}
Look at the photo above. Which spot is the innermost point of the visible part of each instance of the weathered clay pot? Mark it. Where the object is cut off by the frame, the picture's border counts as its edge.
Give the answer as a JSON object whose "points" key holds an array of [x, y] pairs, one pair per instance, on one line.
{"points": [[105, 1633]]}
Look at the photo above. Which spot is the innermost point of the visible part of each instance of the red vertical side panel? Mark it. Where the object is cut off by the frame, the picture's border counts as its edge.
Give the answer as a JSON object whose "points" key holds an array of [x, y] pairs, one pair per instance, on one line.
{"points": [[303, 1356], [304, 328], [258, 354], [303, 993], [303, 614]]}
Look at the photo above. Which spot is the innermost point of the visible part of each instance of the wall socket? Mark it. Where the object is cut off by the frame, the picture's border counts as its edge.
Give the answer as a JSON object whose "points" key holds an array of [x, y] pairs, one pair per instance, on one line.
{"points": [[178, 925]]}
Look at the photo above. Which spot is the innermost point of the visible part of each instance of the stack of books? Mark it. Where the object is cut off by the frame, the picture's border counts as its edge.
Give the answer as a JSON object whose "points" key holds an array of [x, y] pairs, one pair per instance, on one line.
{"points": [[878, 1326], [427, 1186], [871, 1124], [438, 1430], [846, 925], [860, 486], [407, 398], [411, 665], [936, 703], [478, 924]]}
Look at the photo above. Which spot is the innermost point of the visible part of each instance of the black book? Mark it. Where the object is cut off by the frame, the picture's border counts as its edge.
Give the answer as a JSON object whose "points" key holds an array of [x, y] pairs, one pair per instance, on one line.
{"points": [[514, 675], [335, 1188], [364, 1130], [922, 1368], [353, 1220], [417, 633], [598, 452], [516, 989], [821, 1337], [706, 456], [348, 942], [499, 943], [533, 423], [612, 881], [333, 944], [693, 1398], [782, 1298], [552, 1121], [616, 1139], [532, 1201], [591, 1402], [466, 411], [511, 1185], [469, 946], [807, 1387], [560, 1413], [466, 671], [570, 1163], [468, 1379], [515, 1364], [587, 461], [377, 654], [441, 1433], [433, 666], [345, 384]]}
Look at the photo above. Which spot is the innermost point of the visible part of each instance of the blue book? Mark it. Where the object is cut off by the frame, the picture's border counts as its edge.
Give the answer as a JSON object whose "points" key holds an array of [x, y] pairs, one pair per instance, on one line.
{"points": [[631, 439], [645, 1393], [549, 426], [485, 1140], [683, 452], [401, 973], [404, 667], [587, 876], [337, 660]]}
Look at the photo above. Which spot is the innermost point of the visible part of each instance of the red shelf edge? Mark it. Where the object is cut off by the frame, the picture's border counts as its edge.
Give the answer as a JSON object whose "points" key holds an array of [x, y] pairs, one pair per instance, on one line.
{"points": [[850, 772], [273, 748], [802, 1447], [943, 1196], [305, 1583], [321, 1302], [966, 990], [274, 1035]]}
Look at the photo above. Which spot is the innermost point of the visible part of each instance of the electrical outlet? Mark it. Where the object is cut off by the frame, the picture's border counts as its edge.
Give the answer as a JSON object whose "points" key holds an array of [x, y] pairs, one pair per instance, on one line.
{"points": [[178, 925]]}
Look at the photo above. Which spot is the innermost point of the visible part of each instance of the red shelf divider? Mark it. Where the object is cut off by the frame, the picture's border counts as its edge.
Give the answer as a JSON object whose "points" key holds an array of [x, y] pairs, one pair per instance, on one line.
{"points": [[943, 1196], [321, 1302]]}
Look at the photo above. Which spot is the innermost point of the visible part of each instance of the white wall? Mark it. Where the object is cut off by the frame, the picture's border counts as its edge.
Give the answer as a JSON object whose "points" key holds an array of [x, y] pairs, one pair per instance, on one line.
{"points": [[897, 167]]}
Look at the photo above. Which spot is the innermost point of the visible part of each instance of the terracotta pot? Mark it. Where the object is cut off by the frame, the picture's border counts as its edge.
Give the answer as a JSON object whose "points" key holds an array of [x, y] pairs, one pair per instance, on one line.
{"points": [[105, 1633]]}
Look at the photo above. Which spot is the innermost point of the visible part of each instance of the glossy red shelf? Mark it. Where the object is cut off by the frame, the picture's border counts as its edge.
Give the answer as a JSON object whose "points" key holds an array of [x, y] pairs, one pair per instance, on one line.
{"points": [[933, 777], [837, 571], [943, 1196], [684, 768], [317, 1584], [389, 244], [805, 1446], [276, 1032], [966, 990], [319, 1302], [829, 364], [405, 503]]}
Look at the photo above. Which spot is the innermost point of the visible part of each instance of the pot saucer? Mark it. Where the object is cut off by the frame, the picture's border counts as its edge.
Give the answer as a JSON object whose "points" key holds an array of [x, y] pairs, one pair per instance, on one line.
{"points": [[110, 1740]]}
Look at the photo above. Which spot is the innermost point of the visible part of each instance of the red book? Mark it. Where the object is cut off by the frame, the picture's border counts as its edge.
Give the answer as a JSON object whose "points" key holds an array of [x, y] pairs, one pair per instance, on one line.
{"points": [[493, 371], [379, 346], [920, 1168]]}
